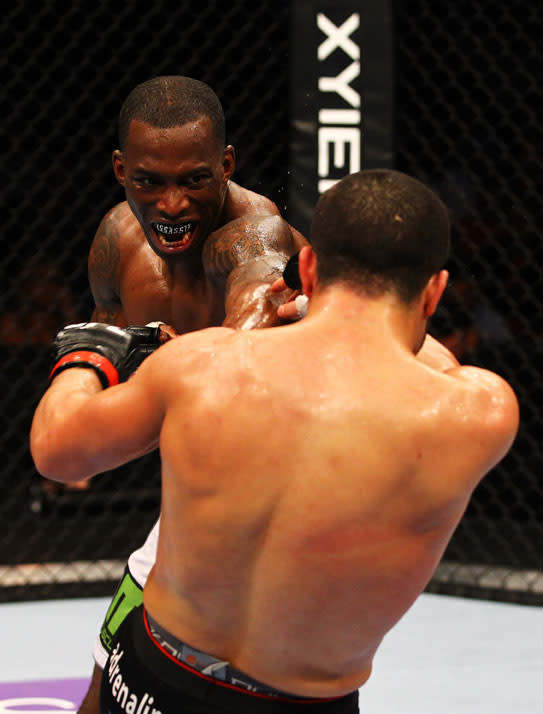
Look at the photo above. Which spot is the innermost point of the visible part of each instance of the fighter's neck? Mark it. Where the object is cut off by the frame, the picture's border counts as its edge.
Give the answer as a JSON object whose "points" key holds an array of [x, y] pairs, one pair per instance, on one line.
{"points": [[183, 268], [229, 206], [240, 202], [383, 318]]}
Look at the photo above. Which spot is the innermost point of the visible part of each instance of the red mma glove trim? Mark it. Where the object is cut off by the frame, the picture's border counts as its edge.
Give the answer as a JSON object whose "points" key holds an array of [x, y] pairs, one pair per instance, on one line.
{"points": [[107, 372]]}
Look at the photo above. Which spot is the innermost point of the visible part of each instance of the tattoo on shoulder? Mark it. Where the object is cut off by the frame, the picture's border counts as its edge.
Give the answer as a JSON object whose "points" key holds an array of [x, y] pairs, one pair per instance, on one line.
{"points": [[244, 240], [104, 253]]}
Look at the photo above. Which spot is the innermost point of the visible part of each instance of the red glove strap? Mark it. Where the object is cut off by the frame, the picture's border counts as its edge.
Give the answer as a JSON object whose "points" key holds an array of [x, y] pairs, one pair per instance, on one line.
{"points": [[91, 359]]}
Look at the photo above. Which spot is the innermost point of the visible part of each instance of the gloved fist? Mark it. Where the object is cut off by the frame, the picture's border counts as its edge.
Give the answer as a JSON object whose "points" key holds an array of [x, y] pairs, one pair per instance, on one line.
{"points": [[114, 353], [291, 276]]}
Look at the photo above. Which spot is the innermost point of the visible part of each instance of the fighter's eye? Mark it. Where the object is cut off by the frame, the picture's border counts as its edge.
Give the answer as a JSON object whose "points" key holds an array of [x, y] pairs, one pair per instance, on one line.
{"points": [[145, 182], [197, 180]]}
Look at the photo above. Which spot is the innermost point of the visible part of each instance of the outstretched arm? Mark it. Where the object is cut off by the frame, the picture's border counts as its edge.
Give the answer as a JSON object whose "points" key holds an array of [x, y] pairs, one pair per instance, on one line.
{"points": [[80, 430], [246, 256]]}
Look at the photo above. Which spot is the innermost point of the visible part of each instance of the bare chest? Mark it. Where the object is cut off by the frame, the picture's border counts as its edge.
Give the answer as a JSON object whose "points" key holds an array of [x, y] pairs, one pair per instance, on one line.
{"points": [[149, 293]]}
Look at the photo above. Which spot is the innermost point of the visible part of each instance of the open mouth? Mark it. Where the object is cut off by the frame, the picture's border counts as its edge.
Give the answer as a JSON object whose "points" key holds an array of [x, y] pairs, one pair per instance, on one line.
{"points": [[174, 235]]}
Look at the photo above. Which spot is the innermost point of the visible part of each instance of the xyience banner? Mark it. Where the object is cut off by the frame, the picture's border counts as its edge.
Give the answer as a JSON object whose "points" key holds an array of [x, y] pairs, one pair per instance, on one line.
{"points": [[341, 96]]}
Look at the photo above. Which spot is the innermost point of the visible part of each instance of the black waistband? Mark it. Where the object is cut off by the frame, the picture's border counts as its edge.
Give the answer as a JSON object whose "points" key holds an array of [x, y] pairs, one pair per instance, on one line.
{"points": [[213, 694], [208, 665]]}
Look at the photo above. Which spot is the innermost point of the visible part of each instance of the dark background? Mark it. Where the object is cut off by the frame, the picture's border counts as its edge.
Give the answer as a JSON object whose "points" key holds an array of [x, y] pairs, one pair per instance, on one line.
{"points": [[468, 107]]}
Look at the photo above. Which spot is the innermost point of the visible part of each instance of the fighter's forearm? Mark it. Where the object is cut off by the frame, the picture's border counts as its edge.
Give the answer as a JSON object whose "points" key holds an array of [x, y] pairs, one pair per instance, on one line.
{"points": [[56, 434], [251, 307], [79, 429], [249, 300]]}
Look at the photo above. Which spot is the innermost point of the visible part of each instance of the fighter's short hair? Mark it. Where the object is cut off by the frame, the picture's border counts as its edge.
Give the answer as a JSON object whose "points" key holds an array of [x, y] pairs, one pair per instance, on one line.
{"points": [[380, 230], [170, 101]]}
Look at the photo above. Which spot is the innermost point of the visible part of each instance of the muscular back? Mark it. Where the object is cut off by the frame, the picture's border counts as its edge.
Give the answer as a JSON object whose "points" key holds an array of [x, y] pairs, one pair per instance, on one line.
{"points": [[295, 558], [131, 284]]}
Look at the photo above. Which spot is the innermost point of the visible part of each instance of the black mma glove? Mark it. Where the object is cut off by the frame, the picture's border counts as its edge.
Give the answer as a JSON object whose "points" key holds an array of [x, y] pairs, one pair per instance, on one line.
{"points": [[291, 276], [114, 353]]}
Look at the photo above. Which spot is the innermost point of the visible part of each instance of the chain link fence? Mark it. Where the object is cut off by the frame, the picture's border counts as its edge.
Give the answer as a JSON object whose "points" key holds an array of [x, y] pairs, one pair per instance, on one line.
{"points": [[467, 123]]}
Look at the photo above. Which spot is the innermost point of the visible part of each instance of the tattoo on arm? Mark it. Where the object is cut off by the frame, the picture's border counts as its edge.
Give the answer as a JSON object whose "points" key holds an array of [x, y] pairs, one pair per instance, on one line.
{"points": [[103, 265], [110, 315], [246, 240], [104, 254]]}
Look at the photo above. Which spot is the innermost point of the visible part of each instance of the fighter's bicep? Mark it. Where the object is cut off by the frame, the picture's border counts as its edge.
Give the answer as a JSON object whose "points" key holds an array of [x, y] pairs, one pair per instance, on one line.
{"points": [[78, 432], [246, 240], [123, 423], [262, 270]]}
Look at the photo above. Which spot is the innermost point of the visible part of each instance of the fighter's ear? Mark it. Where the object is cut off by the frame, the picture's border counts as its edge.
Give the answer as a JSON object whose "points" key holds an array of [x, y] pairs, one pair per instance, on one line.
{"points": [[117, 159], [433, 291], [307, 267], [228, 161]]}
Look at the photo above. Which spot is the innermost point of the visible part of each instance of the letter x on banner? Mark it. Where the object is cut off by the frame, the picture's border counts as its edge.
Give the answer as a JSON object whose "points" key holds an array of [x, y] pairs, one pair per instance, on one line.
{"points": [[341, 102]]}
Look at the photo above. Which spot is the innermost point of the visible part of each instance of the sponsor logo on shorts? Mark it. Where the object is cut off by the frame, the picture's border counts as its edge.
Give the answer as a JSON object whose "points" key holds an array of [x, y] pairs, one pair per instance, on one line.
{"points": [[128, 596], [128, 701]]}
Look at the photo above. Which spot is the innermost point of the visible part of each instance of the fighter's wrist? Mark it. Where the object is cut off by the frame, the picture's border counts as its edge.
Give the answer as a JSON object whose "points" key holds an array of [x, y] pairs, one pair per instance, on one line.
{"points": [[104, 368]]}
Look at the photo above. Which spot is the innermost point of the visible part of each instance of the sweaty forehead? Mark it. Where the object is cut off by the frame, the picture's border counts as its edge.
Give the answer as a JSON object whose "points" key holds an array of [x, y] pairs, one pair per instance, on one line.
{"points": [[193, 136]]}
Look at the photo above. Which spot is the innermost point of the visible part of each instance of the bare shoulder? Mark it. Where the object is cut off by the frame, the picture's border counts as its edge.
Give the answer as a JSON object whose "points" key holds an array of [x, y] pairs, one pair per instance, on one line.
{"points": [[116, 238], [193, 347], [115, 227], [249, 238], [488, 388], [188, 364], [103, 265], [246, 203], [242, 201], [466, 427], [119, 225], [486, 406], [252, 228]]}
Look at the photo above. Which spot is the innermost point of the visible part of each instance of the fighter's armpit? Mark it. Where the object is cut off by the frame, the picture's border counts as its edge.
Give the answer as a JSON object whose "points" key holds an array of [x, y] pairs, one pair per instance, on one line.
{"points": [[246, 240]]}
